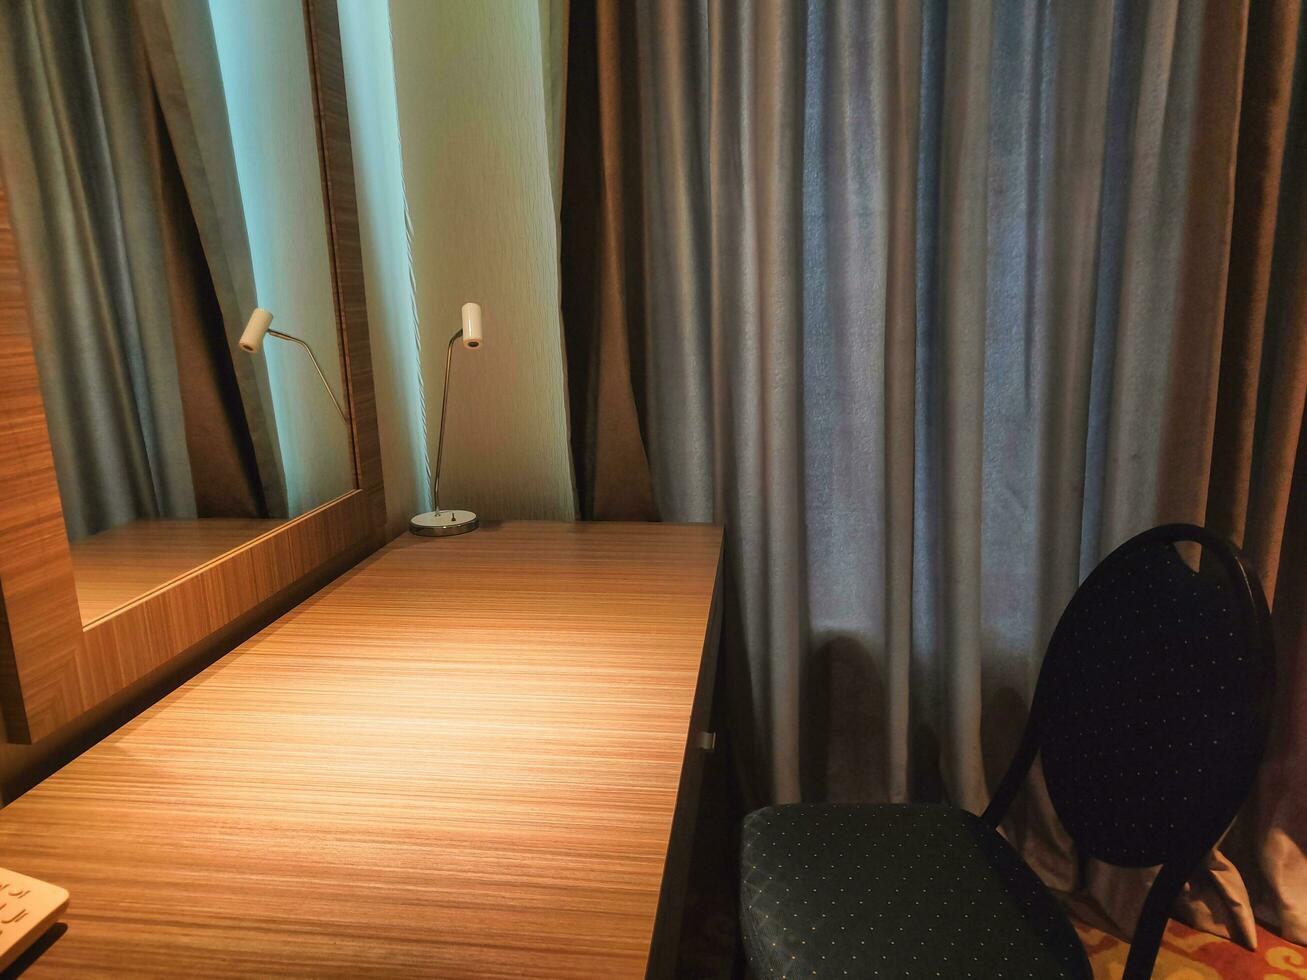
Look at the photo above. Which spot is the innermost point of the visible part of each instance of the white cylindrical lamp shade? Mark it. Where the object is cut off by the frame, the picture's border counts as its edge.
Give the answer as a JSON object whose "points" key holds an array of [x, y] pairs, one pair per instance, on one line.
{"points": [[252, 339], [471, 325]]}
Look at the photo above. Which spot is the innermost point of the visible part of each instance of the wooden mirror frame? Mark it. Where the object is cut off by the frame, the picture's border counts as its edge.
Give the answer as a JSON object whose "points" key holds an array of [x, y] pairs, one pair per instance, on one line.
{"points": [[52, 668]]}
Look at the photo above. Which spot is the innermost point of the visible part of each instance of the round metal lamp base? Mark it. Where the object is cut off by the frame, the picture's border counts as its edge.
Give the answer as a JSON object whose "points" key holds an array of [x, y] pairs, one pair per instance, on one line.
{"points": [[441, 523]]}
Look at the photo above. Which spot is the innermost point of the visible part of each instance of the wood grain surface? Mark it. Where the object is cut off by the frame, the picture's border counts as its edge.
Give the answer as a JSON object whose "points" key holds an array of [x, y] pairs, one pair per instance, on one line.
{"points": [[145, 634], [124, 563], [461, 758], [340, 203], [40, 630]]}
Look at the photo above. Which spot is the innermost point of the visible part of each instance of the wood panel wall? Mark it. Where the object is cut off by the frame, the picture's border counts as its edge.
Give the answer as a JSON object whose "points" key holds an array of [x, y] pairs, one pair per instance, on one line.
{"points": [[149, 632], [340, 202], [42, 632]]}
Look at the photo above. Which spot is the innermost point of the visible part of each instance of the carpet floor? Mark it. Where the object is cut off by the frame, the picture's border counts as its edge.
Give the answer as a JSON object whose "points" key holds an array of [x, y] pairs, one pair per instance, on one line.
{"points": [[1188, 954]]}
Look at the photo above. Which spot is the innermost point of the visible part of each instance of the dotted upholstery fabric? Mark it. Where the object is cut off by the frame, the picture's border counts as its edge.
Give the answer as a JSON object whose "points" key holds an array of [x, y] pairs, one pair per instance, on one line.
{"points": [[1149, 724], [841, 890]]}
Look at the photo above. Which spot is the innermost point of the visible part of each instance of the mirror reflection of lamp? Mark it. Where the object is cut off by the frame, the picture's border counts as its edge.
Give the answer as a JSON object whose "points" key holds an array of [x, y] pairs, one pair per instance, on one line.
{"points": [[259, 326], [440, 523]]}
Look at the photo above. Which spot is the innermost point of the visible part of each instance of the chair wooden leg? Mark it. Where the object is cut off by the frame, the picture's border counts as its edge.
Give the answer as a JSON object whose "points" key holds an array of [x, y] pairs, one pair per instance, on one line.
{"points": [[1152, 921]]}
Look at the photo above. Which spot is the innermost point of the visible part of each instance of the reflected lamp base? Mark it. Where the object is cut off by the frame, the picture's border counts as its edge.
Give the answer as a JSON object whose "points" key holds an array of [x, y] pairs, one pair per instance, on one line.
{"points": [[442, 523]]}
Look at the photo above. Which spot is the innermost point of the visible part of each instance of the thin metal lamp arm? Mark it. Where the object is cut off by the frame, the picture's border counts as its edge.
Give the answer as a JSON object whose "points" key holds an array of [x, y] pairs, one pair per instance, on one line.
{"points": [[444, 404], [317, 367]]}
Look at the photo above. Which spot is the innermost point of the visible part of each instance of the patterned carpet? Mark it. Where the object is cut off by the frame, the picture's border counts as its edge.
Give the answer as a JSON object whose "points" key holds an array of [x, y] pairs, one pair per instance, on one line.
{"points": [[1191, 955]]}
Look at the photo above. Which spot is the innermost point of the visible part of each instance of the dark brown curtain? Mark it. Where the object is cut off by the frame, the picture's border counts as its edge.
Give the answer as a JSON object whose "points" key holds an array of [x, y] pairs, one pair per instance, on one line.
{"points": [[1257, 494], [219, 446], [933, 305], [146, 415], [605, 337], [1243, 463]]}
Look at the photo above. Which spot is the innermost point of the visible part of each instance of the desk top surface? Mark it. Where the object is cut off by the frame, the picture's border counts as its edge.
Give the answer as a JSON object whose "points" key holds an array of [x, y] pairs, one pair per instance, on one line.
{"points": [[460, 757]]}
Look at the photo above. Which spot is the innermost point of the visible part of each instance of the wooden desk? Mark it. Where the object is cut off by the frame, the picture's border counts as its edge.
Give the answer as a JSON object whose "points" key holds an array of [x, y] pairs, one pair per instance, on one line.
{"points": [[119, 565], [464, 757]]}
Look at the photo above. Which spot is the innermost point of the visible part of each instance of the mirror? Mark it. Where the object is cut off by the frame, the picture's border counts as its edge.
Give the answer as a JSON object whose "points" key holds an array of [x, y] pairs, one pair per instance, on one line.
{"points": [[161, 163]]}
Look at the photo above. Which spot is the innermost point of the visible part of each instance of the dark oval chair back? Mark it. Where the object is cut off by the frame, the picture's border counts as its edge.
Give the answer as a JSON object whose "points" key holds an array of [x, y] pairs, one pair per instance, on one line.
{"points": [[1153, 703]]}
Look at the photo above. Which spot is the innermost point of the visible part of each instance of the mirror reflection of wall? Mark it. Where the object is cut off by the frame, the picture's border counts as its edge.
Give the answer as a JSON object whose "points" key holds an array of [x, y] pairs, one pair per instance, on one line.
{"points": [[160, 159], [265, 75]]}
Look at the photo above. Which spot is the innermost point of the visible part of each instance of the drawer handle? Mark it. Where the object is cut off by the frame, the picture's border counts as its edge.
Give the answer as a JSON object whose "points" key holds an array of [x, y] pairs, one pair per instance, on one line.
{"points": [[707, 741]]}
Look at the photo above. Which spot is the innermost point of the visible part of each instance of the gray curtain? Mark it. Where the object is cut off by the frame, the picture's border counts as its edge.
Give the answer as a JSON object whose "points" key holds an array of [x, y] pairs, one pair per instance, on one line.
{"points": [[148, 413], [926, 302]]}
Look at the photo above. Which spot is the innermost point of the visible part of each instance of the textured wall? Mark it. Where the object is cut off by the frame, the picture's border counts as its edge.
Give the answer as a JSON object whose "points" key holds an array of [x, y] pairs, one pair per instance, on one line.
{"points": [[265, 75], [471, 101]]}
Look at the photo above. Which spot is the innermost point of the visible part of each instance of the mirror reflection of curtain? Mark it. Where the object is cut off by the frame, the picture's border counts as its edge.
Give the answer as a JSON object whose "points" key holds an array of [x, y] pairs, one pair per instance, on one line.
{"points": [[183, 55], [150, 415]]}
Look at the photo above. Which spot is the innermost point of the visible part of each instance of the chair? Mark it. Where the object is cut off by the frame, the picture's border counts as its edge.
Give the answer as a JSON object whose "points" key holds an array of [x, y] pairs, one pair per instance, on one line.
{"points": [[1149, 716]]}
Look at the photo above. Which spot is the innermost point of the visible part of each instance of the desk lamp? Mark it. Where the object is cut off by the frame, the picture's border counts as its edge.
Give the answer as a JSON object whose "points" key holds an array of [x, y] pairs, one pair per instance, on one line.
{"points": [[440, 523], [252, 342]]}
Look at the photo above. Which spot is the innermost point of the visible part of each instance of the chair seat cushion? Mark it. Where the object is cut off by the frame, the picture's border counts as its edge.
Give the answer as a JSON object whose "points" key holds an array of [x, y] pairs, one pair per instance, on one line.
{"points": [[830, 890]]}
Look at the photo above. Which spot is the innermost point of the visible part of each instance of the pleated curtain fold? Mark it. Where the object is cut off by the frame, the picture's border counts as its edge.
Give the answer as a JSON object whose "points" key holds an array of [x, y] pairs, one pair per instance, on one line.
{"points": [[933, 305], [135, 301]]}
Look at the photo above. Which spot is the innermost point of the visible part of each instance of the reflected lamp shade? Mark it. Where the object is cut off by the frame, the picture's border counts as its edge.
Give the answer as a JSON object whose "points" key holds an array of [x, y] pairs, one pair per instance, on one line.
{"points": [[252, 339]]}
